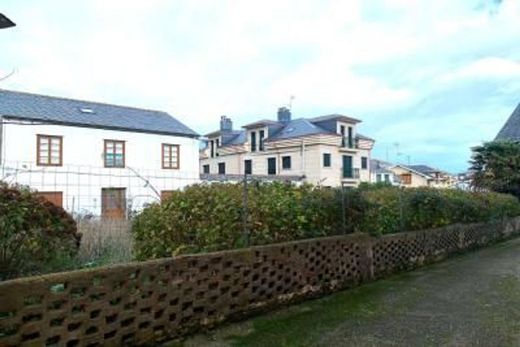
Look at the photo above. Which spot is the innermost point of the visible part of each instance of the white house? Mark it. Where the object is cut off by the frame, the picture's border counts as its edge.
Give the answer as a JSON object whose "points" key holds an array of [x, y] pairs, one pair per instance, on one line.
{"points": [[326, 150], [94, 158], [381, 172]]}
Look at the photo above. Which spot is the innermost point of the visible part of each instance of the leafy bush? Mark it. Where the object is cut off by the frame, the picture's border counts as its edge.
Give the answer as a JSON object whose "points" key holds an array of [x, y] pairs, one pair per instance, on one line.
{"points": [[210, 217], [34, 234], [391, 209]]}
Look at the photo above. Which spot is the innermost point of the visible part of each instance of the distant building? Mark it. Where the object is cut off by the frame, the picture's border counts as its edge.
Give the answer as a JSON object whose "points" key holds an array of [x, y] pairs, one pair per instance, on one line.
{"points": [[423, 176], [381, 171], [511, 130], [325, 150]]}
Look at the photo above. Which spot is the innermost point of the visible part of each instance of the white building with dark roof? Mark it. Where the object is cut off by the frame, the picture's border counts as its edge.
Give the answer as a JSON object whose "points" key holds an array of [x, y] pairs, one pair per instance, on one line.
{"points": [[325, 150], [94, 158]]}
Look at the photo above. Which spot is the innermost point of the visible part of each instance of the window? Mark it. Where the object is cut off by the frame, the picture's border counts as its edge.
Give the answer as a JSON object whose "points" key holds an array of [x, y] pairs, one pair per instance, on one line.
{"points": [[326, 159], [113, 203], [253, 141], [212, 148], [271, 166], [378, 178], [364, 163], [217, 145], [350, 138], [342, 132], [387, 178], [50, 150], [406, 178], [248, 167], [261, 135], [55, 198], [114, 153], [221, 168], [205, 169], [286, 163], [170, 156]]}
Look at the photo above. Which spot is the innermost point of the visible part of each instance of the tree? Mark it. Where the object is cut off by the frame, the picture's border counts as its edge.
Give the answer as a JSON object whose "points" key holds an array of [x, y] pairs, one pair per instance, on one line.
{"points": [[496, 166]]}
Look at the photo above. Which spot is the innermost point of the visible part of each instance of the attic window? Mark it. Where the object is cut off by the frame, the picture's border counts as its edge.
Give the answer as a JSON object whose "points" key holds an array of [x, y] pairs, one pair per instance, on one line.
{"points": [[86, 110], [289, 130]]}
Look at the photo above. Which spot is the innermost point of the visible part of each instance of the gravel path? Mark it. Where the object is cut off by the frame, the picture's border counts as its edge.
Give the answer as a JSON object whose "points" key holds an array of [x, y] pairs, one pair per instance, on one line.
{"points": [[469, 300]]}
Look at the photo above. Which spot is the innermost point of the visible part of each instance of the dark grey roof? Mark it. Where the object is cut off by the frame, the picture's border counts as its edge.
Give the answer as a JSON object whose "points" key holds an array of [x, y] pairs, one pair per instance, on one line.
{"points": [[262, 122], [237, 138], [95, 115], [335, 117], [299, 127], [511, 130], [363, 137], [425, 169], [380, 166]]}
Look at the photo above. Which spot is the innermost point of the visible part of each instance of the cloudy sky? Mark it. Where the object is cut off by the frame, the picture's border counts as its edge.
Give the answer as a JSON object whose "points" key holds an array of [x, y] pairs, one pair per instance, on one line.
{"points": [[429, 79]]}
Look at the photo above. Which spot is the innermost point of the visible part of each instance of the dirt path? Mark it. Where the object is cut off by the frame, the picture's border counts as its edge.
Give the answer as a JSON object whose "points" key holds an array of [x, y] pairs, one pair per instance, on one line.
{"points": [[470, 300]]}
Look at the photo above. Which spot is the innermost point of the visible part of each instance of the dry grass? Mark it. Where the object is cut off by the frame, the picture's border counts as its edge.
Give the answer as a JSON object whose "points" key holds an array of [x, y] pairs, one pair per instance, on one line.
{"points": [[105, 241]]}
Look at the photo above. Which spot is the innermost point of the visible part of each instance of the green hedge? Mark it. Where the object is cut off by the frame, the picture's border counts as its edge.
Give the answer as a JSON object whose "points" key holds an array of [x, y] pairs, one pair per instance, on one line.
{"points": [[210, 217], [35, 235]]}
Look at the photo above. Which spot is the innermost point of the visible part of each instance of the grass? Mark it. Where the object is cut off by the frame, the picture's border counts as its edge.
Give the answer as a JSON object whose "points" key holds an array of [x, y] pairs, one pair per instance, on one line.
{"points": [[104, 242]]}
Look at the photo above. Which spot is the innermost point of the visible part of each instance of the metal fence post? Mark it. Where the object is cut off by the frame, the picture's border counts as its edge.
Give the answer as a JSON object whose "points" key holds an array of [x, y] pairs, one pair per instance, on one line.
{"points": [[245, 213], [343, 208]]}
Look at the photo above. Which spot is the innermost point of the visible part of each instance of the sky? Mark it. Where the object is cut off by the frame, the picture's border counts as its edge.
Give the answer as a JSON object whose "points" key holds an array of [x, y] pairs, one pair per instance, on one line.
{"points": [[429, 79]]}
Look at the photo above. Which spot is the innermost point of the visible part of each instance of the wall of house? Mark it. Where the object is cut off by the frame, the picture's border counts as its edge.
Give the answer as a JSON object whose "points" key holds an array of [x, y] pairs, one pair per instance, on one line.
{"points": [[83, 175], [417, 180], [306, 159]]}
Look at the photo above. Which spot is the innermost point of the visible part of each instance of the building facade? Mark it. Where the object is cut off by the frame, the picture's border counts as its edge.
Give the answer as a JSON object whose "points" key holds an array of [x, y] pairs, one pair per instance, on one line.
{"points": [[93, 158], [423, 176], [325, 150]]}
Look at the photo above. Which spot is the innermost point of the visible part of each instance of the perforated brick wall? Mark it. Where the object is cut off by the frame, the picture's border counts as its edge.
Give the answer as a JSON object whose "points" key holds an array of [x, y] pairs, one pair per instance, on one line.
{"points": [[150, 301]]}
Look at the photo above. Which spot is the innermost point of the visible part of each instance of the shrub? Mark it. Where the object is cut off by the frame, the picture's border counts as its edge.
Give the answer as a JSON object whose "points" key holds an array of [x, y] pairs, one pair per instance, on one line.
{"points": [[35, 235], [210, 217]]}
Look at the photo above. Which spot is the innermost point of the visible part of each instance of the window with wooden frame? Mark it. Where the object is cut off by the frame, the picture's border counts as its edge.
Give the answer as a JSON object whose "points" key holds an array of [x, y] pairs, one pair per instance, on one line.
{"points": [[170, 156], [406, 178], [114, 153], [49, 151]]}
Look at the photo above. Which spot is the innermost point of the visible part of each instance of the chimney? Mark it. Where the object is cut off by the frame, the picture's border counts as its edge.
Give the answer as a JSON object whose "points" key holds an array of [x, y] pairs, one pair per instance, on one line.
{"points": [[284, 115], [226, 124]]}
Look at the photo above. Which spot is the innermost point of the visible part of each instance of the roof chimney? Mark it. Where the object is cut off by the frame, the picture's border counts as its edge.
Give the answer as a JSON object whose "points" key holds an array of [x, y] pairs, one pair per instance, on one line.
{"points": [[226, 124], [284, 115]]}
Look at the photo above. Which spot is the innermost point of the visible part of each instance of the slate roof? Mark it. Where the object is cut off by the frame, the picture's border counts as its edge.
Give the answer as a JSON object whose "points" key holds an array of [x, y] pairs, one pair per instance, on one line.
{"points": [[511, 130], [425, 169], [334, 117], [299, 127], [280, 131], [65, 111], [380, 166]]}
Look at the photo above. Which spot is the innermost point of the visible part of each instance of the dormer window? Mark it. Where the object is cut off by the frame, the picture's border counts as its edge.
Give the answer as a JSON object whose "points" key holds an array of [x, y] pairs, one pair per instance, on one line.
{"points": [[86, 110]]}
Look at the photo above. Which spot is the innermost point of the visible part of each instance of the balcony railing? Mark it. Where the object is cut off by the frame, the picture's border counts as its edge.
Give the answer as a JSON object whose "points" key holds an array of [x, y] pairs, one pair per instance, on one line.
{"points": [[349, 142], [350, 173]]}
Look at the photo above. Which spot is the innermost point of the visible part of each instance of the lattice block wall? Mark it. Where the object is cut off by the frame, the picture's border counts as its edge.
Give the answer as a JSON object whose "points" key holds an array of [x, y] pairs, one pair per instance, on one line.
{"points": [[150, 301]]}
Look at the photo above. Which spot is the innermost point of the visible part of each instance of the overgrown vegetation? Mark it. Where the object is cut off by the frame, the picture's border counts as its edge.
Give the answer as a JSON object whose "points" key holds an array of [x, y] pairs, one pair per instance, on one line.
{"points": [[35, 235], [211, 217], [496, 166]]}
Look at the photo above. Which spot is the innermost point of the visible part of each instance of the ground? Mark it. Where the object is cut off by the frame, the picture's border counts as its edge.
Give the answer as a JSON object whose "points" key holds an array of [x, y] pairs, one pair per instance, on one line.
{"points": [[469, 300]]}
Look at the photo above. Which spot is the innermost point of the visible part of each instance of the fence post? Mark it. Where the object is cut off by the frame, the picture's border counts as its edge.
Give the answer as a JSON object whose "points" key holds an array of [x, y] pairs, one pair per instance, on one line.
{"points": [[245, 212], [401, 209], [343, 207]]}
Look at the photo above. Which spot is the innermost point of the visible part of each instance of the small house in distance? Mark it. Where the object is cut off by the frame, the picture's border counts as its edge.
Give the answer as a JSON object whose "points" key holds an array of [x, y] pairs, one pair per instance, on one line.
{"points": [[94, 158], [326, 150]]}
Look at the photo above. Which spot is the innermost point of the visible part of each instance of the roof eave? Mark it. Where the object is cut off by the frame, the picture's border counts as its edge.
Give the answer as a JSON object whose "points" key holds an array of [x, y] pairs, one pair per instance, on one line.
{"points": [[107, 127]]}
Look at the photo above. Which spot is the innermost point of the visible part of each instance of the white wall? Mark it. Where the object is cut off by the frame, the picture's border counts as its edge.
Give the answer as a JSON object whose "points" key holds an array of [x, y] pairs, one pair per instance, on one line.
{"points": [[83, 174]]}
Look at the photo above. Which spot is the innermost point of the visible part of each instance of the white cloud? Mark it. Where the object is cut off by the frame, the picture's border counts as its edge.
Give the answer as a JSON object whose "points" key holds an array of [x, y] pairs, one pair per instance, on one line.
{"points": [[199, 59]]}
